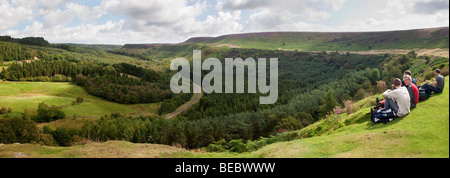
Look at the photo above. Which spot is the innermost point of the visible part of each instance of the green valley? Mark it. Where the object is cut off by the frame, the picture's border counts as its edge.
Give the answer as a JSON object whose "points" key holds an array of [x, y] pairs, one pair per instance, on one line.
{"points": [[27, 95], [111, 100]]}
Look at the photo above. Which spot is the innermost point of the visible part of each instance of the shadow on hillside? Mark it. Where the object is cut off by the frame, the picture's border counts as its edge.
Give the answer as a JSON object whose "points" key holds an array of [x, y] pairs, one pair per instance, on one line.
{"points": [[372, 126]]}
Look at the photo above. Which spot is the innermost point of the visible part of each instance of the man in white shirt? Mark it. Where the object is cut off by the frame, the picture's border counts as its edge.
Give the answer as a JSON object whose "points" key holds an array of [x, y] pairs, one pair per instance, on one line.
{"points": [[398, 99]]}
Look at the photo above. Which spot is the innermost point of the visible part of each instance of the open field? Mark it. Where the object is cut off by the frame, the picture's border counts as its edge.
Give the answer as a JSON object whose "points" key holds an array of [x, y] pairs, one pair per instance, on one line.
{"points": [[27, 95]]}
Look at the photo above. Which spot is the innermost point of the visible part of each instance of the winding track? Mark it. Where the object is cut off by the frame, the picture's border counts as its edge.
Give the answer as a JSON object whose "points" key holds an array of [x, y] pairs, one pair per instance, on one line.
{"points": [[180, 110]]}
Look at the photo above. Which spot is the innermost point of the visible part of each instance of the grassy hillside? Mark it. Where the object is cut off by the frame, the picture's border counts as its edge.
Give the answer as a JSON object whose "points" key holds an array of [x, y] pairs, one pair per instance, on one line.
{"points": [[422, 133], [352, 41], [432, 41], [320, 41], [27, 95]]}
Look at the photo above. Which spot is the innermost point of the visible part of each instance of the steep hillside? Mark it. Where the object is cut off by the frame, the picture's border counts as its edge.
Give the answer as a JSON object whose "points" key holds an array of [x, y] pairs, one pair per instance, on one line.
{"points": [[422, 133]]}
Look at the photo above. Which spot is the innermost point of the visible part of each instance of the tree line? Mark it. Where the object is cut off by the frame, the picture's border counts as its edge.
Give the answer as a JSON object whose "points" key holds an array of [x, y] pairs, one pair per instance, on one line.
{"points": [[12, 51], [36, 41], [111, 82], [183, 133]]}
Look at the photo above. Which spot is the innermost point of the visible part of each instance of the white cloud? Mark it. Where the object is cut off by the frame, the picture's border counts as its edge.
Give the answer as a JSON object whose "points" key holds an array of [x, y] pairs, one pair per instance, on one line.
{"points": [[284, 15], [138, 21], [431, 6], [296, 5], [58, 17], [11, 14], [159, 21], [410, 21], [63, 17], [283, 20], [171, 20], [335, 4], [395, 15], [244, 4], [51, 4], [214, 25], [157, 12], [84, 33]]}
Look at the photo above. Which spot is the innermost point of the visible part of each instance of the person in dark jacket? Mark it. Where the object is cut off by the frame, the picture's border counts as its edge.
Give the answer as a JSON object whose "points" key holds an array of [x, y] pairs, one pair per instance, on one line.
{"points": [[412, 79]]}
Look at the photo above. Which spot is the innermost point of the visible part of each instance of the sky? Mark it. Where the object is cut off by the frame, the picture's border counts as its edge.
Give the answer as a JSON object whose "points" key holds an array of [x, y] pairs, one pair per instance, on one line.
{"points": [[173, 21]]}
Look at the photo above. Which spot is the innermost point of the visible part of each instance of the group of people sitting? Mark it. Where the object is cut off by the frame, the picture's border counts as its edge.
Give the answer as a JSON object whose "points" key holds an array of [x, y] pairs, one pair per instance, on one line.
{"points": [[405, 95]]}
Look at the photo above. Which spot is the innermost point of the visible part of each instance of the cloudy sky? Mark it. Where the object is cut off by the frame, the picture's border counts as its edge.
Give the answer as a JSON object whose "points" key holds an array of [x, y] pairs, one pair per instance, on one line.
{"points": [[160, 21]]}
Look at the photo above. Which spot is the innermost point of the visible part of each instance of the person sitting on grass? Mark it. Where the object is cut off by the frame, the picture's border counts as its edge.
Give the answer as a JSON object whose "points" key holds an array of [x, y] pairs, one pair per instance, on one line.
{"points": [[412, 79], [412, 90], [397, 100], [381, 103], [438, 83]]}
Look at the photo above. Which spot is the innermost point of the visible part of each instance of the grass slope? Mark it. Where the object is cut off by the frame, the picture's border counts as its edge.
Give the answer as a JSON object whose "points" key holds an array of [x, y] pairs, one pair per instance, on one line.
{"points": [[422, 133], [27, 95]]}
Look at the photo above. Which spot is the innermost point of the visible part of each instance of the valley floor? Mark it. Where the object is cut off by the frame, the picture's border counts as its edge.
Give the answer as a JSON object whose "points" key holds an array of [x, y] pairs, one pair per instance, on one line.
{"points": [[27, 95]]}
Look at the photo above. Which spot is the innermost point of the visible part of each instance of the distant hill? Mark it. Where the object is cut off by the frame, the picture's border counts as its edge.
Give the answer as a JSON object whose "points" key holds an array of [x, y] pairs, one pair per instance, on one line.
{"points": [[431, 38], [36, 41], [358, 41], [94, 46], [145, 46], [198, 39]]}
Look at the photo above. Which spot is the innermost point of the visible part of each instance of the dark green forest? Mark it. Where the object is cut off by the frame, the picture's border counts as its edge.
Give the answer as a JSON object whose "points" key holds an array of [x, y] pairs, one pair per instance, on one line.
{"points": [[12, 51], [304, 78], [36, 41]]}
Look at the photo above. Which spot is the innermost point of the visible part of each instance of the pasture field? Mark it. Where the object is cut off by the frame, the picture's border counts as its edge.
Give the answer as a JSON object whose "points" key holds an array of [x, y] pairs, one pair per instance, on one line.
{"points": [[27, 95]]}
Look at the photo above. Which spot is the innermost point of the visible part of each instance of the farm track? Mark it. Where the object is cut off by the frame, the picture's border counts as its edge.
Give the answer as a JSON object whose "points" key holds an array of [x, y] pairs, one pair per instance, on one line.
{"points": [[196, 98]]}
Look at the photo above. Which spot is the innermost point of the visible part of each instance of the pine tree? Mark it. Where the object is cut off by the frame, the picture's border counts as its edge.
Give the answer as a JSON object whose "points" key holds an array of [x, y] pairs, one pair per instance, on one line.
{"points": [[375, 76], [330, 102]]}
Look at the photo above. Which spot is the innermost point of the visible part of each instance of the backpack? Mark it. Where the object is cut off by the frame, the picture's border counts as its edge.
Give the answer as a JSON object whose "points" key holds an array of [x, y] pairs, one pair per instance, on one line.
{"points": [[383, 116], [424, 95]]}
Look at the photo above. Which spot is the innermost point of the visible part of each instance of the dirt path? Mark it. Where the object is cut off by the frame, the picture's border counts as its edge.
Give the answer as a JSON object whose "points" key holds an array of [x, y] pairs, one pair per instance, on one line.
{"points": [[196, 98]]}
